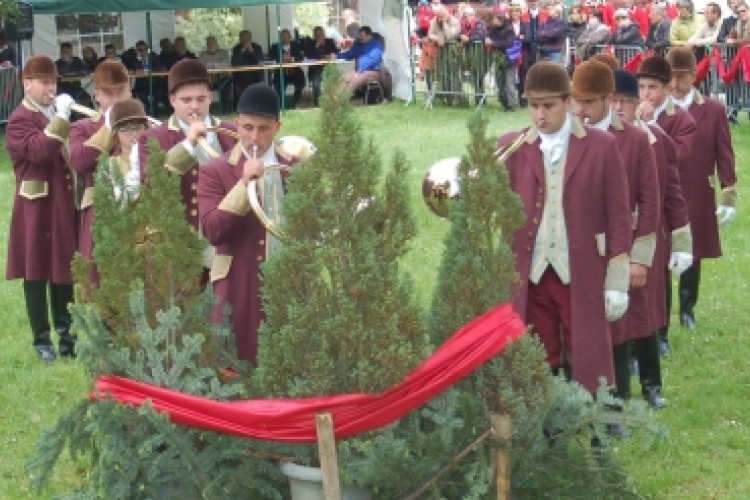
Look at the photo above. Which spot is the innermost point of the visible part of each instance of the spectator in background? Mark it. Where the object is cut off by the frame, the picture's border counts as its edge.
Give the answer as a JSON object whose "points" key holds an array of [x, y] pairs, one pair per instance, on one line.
{"points": [[144, 61], [728, 23], [709, 31], [167, 55], [90, 59], [110, 52], [639, 15], [658, 32], [425, 14], [7, 52], [576, 24], [741, 31], [318, 48], [596, 33], [351, 24], [501, 38], [368, 54], [68, 64], [627, 32], [246, 53], [181, 51], [214, 57], [473, 27], [552, 35], [289, 52], [685, 25]]}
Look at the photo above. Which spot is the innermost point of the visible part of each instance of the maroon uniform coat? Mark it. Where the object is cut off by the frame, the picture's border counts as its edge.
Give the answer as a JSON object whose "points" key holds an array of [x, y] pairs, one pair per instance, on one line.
{"points": [[42, 227], [680, 127], [240, 241], [674, 216], [643, 187], [595, 202], [169, 135], [712, 155]]}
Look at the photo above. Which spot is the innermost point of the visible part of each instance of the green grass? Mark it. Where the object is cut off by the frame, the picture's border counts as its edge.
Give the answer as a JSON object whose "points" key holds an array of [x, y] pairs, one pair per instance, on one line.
{"points": [[705, 380]]}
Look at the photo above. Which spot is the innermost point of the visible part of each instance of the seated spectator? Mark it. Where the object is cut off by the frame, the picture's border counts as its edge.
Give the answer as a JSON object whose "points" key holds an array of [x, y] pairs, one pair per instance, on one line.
{"points": [[289, 52], [658, 31], [110, 52], [69, 65], [552, 35], [318, 48], [627, 32], [181, 51], [246, 53], [685, 25], [728, 23], [214, 57], [90, 59], [7, 52], [596, 33], [741, 31], [368, 56], [709, 31], [146, 60], [167, 56]]}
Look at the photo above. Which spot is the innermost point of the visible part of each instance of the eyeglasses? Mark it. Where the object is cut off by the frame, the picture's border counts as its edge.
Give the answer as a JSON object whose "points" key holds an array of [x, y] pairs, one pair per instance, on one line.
{"points": [[743, 11], [132, 129]]}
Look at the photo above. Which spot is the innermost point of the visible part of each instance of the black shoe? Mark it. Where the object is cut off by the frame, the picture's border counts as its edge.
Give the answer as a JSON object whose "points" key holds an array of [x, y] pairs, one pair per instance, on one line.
{"points": [[616, 430], [654, 398], [687, 320], [664, 349], [46, 353]]}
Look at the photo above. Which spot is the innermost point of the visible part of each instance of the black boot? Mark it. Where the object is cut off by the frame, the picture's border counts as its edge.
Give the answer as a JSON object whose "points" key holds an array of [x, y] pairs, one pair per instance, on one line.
{"points": [[35, 294], [634, 369], [664, 331], [650, 370], [61, 296], [689, 284], [621, 355]]}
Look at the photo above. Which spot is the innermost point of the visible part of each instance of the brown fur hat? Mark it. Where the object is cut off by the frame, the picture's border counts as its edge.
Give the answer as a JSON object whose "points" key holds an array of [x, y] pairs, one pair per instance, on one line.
{"points": [[608, 59], [111, 76], [129, 110], [40, 67], [655, 67], [187, 71], [546, 79], [681, 60], [592, 79]]}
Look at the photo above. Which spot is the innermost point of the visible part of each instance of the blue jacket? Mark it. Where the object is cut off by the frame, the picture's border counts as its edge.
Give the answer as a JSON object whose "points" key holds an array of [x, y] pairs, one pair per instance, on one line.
{"points": [[368, 55]]}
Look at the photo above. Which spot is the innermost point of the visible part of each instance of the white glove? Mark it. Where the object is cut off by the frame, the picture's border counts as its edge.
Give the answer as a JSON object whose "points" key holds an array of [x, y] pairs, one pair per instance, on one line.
{"points": [[680, 261], [726, 214], [106, 119], [63, 102], [615, 304]]}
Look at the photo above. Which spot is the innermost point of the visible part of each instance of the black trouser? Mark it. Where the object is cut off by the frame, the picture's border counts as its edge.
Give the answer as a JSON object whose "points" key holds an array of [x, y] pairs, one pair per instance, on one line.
{"points": [[663, 332], [35, 293], [296, 78], [621, 356], [690, 281], [316, 77], [649, 363]]}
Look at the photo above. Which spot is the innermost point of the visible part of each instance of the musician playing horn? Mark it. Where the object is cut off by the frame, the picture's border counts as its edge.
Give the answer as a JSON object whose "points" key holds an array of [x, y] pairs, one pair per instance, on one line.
{"points": [[241, 240], [572, 251], [91, 137], [189, 88], [42, 227]]}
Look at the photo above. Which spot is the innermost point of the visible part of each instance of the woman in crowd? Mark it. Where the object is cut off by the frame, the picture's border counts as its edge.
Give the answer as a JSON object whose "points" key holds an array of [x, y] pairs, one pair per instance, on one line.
{"points": [[90, 59]]}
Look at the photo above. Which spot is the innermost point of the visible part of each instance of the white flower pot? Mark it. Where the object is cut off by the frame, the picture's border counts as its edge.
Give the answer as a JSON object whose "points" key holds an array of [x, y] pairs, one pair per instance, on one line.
{"points": [[306, 483]]}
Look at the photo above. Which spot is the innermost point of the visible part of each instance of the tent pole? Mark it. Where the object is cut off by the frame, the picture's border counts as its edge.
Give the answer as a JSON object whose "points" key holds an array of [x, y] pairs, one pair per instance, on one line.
{"points": [[149, 64], [280, 74], [408, 13]]}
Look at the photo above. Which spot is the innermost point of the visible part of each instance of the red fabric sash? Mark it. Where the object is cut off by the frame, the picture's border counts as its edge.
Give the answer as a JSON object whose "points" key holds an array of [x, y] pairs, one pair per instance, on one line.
{"points": [[634, 63], [293, 420], [728, 75], [701, 70]]}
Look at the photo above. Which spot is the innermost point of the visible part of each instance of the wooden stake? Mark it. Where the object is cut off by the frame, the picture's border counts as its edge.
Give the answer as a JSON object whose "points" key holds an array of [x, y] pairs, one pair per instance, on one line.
{"points": [[502, 428], [327, 452]]}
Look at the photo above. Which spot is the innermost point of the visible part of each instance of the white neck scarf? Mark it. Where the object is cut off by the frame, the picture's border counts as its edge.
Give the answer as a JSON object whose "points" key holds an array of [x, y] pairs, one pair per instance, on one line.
{"points": [[271, 193], [659, 109], [604, 123], [686, 101], [553, 145]]}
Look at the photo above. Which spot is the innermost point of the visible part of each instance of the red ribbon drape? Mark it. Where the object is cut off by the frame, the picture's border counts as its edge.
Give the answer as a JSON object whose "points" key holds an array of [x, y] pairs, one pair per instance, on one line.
{"points": [[632, 65], [741, 59], [701, 70], [293, 420]]}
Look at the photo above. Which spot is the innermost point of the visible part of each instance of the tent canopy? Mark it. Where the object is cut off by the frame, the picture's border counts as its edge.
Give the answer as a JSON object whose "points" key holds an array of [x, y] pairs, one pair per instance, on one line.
{"points": [[89, 6]]}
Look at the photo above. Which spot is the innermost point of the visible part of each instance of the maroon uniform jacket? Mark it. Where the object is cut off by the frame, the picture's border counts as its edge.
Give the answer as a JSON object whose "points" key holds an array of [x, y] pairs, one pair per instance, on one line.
{"points": [[680, 127], [595, 203], [240, 240], [643, 186], [169, 136], [674, 216], [42, 228], [712, 155]]}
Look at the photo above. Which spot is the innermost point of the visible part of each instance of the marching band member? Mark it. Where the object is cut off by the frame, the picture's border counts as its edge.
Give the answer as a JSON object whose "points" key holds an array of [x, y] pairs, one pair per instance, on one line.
{"points": [[42, 228], [572, 251], [592, 88], [227, 220], [673, 222], [128, 121], [90, 138], [714, 156]]}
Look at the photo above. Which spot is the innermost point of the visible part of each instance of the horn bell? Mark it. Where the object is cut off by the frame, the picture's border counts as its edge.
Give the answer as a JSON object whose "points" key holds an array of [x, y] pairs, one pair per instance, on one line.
{"points": [[441, 186]]}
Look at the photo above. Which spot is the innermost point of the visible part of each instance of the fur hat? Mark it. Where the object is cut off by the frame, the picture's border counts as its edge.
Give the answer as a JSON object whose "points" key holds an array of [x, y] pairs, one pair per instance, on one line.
{"points": [[111, 75], [546, 79], [608, 59], [129, 110], [626, 83], [40, 67], [681, 60], [187, 71], [592, 79], [655, 67], [259, 99]]}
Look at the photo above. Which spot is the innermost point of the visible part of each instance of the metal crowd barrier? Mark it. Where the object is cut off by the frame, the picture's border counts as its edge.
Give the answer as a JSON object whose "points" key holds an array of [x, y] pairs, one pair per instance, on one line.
{"points": [[11, 92]]}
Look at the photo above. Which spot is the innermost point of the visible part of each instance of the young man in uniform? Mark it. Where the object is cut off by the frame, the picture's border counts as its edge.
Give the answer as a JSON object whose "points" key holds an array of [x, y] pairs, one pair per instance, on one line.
{"points": [[713, 157], [673, 221], [42, 228], [592, 88], [572, 251], [657, 107]]}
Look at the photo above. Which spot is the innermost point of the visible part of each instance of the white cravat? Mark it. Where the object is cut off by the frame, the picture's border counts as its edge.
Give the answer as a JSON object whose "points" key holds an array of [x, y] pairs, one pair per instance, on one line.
{"points": [[553, 145], [659, 110], [211, 138], [271, 192], [686, 101], [48, 111], [604, 123]]}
